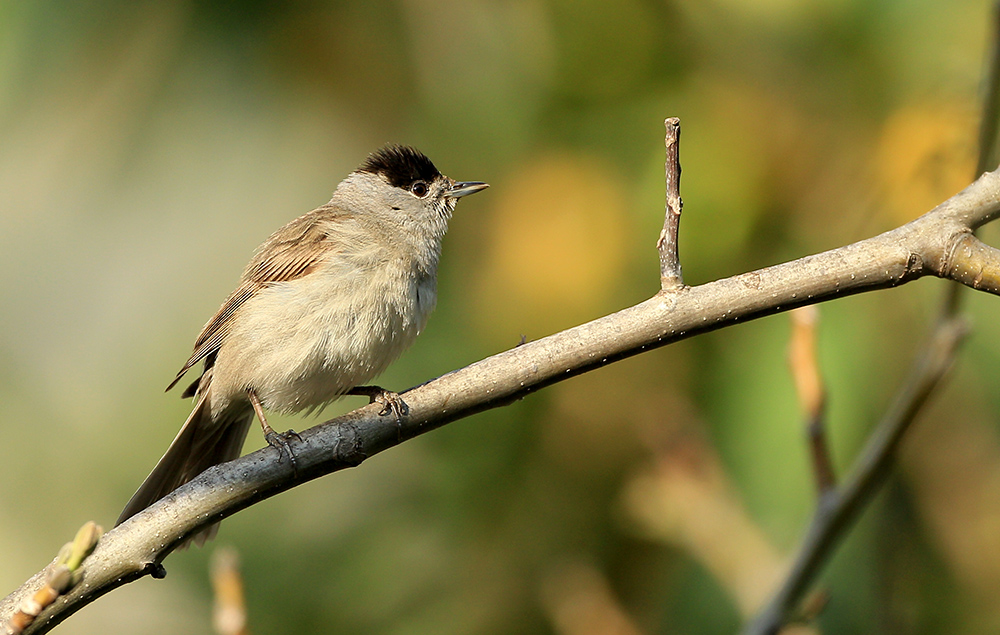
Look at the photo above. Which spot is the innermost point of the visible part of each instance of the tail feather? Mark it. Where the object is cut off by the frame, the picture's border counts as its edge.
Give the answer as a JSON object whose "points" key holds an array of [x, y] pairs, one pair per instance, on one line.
{"points": [[200, 444]]}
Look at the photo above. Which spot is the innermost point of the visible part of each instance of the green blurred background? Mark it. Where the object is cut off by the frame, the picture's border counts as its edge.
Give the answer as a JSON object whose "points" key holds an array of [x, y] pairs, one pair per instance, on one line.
{"points": [[146, 148]]}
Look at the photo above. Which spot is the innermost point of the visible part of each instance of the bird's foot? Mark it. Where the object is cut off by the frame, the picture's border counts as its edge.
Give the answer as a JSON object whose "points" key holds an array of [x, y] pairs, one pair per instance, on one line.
{"points": [[280, 442], [390, 401]]}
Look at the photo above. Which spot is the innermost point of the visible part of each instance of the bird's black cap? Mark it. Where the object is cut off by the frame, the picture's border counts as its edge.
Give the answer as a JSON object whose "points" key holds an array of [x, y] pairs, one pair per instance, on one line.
{"points": [[401, 166]]}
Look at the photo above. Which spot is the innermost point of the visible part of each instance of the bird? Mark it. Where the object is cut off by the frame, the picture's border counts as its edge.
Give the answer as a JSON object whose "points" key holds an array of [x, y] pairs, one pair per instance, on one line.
{"points": [[325, 304]]}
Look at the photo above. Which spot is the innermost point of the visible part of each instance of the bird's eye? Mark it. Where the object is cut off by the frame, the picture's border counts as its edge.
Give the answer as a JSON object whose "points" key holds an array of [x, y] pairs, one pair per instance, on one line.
{"points": [[419, 189]]}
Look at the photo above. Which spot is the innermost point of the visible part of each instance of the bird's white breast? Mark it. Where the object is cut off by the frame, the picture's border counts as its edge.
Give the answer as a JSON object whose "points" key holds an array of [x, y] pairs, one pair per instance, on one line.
{"points": [[302, 343]]}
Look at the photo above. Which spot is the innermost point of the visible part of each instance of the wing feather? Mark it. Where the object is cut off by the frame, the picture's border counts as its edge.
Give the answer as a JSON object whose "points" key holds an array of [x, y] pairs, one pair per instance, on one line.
{"points": [[291, 252]]}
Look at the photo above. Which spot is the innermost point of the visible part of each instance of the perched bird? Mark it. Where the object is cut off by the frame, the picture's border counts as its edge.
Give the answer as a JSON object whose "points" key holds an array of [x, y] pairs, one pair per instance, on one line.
{"points": [[325, 304]]}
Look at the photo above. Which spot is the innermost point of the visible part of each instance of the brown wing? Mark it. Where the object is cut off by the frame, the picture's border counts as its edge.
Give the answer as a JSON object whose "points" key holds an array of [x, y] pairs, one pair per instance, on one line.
{"points": [[291, 252]]}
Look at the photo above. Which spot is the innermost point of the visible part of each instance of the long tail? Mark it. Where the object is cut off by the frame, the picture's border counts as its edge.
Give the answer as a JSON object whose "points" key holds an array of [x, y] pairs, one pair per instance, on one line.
{"points": [[200, 444]]}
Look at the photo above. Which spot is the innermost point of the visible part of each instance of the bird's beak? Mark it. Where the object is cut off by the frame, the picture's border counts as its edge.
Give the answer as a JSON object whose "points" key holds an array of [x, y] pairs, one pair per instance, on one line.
{"points": [[464, 188]]}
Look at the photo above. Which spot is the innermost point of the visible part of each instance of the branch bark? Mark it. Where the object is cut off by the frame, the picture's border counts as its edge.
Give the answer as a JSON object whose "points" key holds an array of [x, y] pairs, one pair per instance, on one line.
{"points": [[670, 262], [939, 243]]}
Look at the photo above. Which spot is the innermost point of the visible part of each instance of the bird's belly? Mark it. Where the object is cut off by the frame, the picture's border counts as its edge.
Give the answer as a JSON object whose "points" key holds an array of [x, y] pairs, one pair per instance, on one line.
{"points": [[299, 347]]}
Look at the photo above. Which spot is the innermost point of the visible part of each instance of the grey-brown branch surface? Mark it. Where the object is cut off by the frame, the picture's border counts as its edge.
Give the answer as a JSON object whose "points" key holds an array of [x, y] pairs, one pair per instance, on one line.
{"points": [[671, 277], [939, 243]]}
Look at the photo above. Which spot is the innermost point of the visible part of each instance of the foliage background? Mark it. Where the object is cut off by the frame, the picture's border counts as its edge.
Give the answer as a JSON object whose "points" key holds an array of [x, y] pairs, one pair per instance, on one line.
{"points": [[147, 147]]}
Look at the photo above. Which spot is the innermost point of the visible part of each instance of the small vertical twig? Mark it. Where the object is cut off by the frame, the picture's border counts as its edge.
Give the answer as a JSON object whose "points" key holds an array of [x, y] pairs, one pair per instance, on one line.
{"points": [[804, 363], [670, 264]]}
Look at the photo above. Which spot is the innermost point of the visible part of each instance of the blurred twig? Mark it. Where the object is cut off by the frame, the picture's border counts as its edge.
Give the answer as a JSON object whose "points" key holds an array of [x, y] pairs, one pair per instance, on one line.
{"points": [[686, 499], [812, 395], [837, 510], [990, 121], [229, 615], [579, 601], [927, 246], [842, 504]]}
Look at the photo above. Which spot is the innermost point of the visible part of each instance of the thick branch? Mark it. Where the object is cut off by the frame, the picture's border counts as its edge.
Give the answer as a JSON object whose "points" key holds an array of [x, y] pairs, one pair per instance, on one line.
{"points": [[975, 264], [924, 246]]}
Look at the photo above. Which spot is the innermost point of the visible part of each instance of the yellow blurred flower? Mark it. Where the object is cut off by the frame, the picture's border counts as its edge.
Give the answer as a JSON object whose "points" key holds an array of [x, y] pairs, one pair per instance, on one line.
{"points": [[925, 154], [557, 245]]}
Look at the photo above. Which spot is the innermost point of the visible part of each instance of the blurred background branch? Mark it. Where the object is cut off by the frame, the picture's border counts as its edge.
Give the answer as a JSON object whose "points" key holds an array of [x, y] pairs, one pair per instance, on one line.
{"points": [[229, 613], [838, 509], [804, 361], [975, 266]]}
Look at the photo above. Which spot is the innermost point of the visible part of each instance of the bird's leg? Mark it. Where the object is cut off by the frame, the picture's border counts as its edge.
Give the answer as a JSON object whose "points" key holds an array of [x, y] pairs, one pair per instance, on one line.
{"points": [[390, 401], [274, 439]]}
